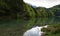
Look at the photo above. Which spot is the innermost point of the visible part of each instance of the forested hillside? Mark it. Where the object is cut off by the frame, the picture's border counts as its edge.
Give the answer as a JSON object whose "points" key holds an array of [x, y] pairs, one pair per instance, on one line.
{"points": [[10, 8], [55, 10], [42, 12], [19, 9]]}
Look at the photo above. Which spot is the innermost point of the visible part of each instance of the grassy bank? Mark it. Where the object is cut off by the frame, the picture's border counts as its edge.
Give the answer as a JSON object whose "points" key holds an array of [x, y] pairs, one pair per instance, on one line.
{"points": [[52, 30]]}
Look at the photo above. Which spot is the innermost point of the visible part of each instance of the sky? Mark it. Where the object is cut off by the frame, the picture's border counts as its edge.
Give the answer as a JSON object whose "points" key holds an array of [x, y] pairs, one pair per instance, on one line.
{"points": [[43, 3]]}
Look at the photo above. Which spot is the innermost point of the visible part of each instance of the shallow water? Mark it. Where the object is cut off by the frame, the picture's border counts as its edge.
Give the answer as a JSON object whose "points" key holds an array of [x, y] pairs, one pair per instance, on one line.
{"points": [[19, 26]]}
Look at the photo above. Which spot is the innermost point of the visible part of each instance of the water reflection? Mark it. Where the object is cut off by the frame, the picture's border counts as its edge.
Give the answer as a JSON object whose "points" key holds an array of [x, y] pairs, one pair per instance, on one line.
{"points": [[39, 22], [18, 27], [35, 31]]}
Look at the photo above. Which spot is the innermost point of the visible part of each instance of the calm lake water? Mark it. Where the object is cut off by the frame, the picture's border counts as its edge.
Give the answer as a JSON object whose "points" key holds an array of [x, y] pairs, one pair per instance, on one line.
{"points": [[19, 26]]}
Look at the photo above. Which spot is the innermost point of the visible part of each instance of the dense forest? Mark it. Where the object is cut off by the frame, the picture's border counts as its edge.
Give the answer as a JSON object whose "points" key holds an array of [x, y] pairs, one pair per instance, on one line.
{"points": [[43, 12], [19, 9], [10, 8]]}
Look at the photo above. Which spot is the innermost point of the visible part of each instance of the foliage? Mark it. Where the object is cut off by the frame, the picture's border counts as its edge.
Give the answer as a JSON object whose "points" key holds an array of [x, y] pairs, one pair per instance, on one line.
{"points": [[29, 10], [10, 8], [55, 10], [52, 30], [19, 9], [41, 12]]}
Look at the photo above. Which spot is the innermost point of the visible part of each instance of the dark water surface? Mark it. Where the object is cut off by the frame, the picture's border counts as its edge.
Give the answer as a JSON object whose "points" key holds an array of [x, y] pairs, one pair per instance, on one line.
{"points": [[19, 26]]}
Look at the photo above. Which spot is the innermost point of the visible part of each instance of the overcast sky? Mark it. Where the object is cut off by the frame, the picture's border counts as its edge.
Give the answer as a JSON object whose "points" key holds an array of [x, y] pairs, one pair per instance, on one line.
{"points": [[43, 3]]}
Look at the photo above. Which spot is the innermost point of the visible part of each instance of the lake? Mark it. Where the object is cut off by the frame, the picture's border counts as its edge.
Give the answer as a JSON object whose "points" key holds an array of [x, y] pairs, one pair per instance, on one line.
{"points": [[19, 26]]}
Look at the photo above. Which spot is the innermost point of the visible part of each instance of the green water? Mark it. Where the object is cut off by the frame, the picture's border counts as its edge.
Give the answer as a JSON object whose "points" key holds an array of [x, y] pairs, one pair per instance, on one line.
{"points": [[19, 26]]}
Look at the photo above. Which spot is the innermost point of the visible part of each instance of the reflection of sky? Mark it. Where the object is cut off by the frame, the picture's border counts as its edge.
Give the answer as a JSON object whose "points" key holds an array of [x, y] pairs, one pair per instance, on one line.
{"points": [[33, 32], [43, 3], [36, 31]]}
